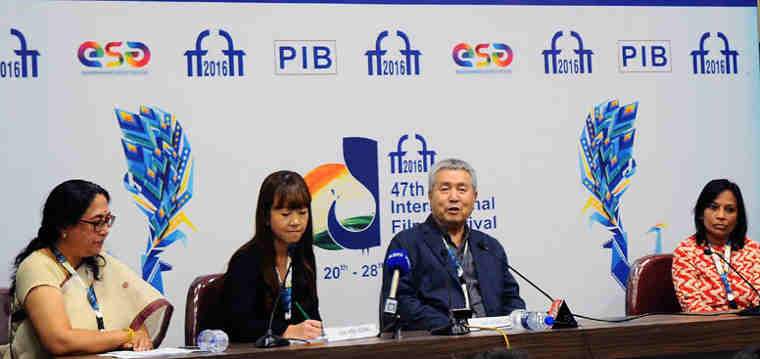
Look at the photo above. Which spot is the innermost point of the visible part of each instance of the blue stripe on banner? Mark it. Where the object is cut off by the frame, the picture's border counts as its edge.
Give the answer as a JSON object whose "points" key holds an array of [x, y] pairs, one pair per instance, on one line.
{"points": [[668, 3]]}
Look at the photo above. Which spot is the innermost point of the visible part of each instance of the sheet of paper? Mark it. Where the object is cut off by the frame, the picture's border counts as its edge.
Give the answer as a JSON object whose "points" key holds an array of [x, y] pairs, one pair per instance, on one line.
{"points": [[491, 322], [148, 353], [353, 332]]}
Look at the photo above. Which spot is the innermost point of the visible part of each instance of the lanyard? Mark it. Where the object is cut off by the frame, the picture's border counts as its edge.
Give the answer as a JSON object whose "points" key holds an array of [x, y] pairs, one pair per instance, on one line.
{"points": [[460, 271], [723, 272], [89, 289], [287, 292]]}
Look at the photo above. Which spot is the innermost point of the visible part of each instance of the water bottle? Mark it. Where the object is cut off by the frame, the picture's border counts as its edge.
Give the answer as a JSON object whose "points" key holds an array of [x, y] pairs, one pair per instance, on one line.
{"points": [[213, 340], [523, 319]]}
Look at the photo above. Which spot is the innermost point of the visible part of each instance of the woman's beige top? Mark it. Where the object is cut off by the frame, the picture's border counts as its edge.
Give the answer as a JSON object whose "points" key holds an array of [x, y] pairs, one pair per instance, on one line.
{"points": [[124, 298]]}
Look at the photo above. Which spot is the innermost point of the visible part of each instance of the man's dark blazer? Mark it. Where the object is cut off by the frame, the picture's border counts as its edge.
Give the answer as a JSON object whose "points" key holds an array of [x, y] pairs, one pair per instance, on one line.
{"points": [[425, 292]]}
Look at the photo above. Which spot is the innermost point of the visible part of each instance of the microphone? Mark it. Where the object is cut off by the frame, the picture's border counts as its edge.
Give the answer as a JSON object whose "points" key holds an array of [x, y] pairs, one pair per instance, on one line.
{"points": [[269, 340], [457, 317], [560, 311], [398, 262], [751, 311]]}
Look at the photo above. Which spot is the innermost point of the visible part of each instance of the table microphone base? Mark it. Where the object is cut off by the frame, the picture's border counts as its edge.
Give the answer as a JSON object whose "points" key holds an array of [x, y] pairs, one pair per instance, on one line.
{"points": [[457, 323], [271, 341], [563, 318], [751, 311], [451, 329], [394, 325]]}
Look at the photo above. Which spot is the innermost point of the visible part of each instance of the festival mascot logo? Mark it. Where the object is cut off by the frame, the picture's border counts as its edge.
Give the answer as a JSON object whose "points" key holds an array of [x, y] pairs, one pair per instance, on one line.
{"points": [[345, 198], [607, 165], [160, 178]]}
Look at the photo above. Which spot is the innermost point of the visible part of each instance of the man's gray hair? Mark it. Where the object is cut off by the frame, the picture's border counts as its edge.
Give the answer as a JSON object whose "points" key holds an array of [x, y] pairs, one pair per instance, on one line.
{"points": [[452, 164]]}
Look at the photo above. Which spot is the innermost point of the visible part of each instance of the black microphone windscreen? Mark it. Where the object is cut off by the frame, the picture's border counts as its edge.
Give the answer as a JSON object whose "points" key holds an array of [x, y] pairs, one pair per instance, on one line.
{"points": [[292, 249], [708, 251], [483, 246]]}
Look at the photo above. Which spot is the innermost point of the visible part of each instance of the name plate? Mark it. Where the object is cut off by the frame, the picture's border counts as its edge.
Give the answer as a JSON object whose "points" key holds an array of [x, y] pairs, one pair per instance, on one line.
{"points": [[492, 322], [353, 332]]}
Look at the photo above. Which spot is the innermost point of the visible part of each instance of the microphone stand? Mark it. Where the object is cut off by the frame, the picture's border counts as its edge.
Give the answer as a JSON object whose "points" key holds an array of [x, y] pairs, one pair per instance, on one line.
{"points": [[393, 322], [563, 317], [269, 340], [457, 317], [390, 318], [390, 311], [751, 311]]}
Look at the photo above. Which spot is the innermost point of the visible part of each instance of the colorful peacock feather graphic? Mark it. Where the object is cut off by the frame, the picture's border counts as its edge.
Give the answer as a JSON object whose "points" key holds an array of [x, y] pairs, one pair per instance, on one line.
{"points": [[160, 178], [607, 165]]}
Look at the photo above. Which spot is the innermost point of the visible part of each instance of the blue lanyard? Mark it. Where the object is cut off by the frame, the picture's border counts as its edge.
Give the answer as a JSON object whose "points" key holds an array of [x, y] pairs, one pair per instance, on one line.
{"points": [[723, 272], [89, 289], [286, 293], [460, 271]]}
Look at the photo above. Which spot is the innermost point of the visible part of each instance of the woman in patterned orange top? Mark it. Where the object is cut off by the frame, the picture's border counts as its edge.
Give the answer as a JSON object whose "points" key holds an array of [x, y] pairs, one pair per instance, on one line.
{"points": [[703, 282]]}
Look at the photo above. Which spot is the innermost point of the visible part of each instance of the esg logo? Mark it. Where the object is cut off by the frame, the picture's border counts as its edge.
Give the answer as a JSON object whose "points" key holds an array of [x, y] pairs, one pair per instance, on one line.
{"points": [[501, 55], [90, 52]]}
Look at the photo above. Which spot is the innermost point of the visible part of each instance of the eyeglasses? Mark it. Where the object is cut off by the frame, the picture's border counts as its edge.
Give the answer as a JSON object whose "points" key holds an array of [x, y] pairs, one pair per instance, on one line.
{"points": [[100, 225]]}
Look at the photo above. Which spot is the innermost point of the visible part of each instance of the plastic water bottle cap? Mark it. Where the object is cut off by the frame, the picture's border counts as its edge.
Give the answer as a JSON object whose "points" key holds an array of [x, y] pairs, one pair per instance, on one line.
{"points": [[549, 320]]}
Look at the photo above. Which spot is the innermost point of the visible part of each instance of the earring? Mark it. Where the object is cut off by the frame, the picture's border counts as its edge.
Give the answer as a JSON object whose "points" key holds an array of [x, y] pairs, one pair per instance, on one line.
{"points": [[64, 235]]}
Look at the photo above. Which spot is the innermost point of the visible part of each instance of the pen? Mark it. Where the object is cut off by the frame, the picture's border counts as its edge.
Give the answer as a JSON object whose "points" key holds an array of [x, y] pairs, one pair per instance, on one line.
{"points": [[308, 318], [302, 311]]}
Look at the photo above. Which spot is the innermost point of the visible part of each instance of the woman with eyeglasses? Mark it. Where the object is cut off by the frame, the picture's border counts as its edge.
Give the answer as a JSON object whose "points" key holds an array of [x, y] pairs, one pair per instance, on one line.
{"points": [[258, 269], [68, 296]]}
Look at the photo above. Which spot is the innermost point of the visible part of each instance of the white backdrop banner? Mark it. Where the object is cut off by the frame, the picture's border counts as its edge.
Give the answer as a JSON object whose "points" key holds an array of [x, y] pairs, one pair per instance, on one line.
{"points": [[592, 126]]}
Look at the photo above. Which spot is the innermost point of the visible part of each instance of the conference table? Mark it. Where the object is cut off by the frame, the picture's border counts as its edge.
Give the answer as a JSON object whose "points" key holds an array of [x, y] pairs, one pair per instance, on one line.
{"points": [[657, 335]]}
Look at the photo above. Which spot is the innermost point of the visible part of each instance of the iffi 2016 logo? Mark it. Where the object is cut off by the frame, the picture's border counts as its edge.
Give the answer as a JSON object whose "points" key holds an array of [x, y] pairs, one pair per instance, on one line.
{"points": [[20, 67], [399, 162], [558, 62], [346, 198], [380, 65], [230, 65], [708, 65]]}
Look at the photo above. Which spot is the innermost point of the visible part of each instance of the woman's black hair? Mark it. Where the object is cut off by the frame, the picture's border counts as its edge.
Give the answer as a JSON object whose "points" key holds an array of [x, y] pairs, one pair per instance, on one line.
{"points": [[711, 191], [283, 189], [63, 208]]}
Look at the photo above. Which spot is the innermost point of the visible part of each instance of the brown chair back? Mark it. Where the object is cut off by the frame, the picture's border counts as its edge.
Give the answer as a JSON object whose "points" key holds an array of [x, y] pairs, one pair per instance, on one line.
{"points": [[650, 286], [203, 300], [5, 314]]}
